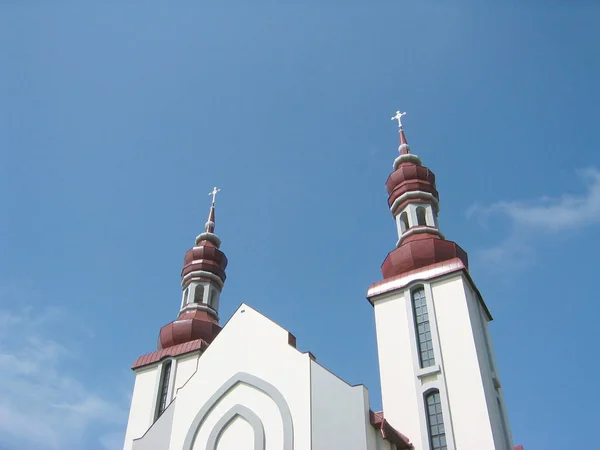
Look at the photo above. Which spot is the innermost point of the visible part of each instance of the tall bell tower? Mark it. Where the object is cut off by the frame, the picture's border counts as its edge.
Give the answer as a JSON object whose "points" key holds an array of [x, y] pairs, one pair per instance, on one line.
{"points": [[439, 379]]}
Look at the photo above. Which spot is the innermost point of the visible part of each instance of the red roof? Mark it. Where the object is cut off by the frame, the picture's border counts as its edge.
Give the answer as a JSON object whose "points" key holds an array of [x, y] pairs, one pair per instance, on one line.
{"points": [[388, 432], [175, 350]]}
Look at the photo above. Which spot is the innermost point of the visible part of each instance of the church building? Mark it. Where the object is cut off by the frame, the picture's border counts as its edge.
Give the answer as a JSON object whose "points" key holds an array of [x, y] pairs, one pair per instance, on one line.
{"points": [[213, 388]]}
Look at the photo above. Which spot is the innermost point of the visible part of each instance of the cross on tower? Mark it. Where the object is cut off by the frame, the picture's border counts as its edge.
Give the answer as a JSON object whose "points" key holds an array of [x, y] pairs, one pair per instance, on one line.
{"points": [[214, 194], [398, 117]]}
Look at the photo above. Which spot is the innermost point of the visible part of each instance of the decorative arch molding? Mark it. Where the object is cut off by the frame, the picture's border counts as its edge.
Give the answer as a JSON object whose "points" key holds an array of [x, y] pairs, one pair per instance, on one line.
{"points": [[244, 413], [250, 380]]}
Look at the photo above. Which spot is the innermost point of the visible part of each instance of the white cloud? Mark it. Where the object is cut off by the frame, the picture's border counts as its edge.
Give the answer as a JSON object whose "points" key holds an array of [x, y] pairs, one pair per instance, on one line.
{"points": [[43, 404], [542, 216]]}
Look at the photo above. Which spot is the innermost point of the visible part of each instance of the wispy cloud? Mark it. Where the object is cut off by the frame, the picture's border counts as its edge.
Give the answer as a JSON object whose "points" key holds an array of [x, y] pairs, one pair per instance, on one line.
{"points": [[543, 216], [44, 405]]}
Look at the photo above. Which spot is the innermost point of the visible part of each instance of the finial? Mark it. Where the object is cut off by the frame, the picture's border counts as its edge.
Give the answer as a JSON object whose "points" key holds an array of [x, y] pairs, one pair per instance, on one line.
{"points": [[214, 194], [210, 224], [398, 117], [403, 147]]}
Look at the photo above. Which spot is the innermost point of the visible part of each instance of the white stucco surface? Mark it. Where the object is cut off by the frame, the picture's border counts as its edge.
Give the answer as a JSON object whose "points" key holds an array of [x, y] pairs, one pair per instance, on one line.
{"points": [[340, 416], [399, 391], [465, 370], [238, 435], [186, 367], [251, 389], [142, 404]]}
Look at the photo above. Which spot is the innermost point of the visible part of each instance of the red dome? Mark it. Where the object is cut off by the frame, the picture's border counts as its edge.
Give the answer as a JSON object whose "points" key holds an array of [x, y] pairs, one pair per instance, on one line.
{"points": [[410, 177], [423, 251], [206, 257], [189, 326]]}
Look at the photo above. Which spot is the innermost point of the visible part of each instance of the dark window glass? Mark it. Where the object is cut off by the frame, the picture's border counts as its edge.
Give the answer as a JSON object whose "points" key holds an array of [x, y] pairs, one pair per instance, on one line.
{"points": [[164, 388], [435, 421], [199, 294], [421, 216], [403, 222], [423, 330]]}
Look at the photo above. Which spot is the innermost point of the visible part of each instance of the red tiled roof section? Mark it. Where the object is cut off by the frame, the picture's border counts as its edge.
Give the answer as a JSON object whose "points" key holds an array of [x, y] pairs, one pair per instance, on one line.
{"points": [[519, 447], [388, 432], [423, 252], [175, 350]]}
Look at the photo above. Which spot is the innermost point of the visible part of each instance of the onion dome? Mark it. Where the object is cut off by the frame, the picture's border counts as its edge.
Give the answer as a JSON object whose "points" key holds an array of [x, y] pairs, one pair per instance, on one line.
{"points": [[414, 202], [205, 256], [202, 280], [409, 175], [421, 251], [189, 326]]}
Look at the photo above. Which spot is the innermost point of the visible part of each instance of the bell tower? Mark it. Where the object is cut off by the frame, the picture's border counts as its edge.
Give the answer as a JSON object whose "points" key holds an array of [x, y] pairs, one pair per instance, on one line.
{"points": [[160, 374], [439, 379]]}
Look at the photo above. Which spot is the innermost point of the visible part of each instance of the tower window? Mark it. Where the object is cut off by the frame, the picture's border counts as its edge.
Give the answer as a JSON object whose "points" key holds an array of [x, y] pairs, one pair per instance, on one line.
{"points": [[186, 293], [163, 390], [199, 294], [421, 220], [423, 330], [403, 222], [435, 421], [212, 302]]}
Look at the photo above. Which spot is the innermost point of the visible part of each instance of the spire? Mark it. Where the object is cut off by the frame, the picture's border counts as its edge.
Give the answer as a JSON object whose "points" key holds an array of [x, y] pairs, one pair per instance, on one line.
{"points": [[403, 148], [209, 227]]}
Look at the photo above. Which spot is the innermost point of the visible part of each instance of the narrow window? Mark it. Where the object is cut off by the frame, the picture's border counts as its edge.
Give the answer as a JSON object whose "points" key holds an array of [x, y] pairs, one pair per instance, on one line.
{"points": [[163, 390], [213, 299], [421, 216], [435, 421], [185, 296], [423, 331], [199, 294], [403, 222]]}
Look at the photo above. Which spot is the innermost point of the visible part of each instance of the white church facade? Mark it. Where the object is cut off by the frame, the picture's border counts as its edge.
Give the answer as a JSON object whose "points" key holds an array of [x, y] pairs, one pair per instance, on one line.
{"points": [[213, 388]]}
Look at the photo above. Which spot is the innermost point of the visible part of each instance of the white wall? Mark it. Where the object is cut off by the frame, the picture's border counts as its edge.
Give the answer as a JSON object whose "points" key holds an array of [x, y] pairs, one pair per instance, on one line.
{"points": [[238, 436], [463, 372], [489, 371], [252, 344], [145, 392], [340, 412], [185, 368], [461, 366], [281, 393], [142, 404], [399, 391]]}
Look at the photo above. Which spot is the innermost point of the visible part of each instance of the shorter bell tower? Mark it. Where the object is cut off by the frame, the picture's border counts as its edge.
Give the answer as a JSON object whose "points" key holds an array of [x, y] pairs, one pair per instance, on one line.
{"points": [[439, 379], [160, 374]]}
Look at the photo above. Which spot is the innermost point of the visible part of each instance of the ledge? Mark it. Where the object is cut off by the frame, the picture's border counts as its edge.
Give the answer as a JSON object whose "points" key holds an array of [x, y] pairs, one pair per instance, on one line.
{"points": [[431, 370]]}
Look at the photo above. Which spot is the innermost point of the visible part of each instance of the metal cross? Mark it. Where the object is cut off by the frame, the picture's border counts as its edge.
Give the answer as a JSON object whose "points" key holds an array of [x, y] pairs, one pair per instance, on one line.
{"points": [[214, 194], [398, 117]]}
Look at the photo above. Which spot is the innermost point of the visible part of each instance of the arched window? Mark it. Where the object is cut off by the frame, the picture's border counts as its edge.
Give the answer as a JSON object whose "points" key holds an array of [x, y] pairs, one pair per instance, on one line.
{"points": [[422, 328], [213, 299], [163, 389], [435, 421], [421, 216], [186, 293], [403, 222], [199, 294]]}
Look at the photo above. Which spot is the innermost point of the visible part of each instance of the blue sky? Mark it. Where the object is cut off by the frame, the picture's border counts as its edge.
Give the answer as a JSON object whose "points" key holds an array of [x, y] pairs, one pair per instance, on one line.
{"points": [[118, 117]]}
